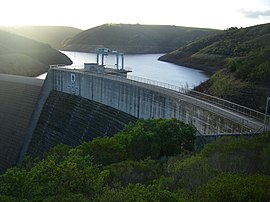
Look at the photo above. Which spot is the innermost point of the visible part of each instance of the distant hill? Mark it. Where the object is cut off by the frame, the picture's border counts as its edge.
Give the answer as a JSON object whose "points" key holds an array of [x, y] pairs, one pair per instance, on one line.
{"points": [[53, 35], [243, 58], [135, 38], [26, 57]]}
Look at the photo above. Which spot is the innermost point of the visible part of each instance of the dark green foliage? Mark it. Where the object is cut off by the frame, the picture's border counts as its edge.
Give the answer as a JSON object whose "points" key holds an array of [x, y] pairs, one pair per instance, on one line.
{"points": [[133, 172], [7, 198], [229, 169], [66, 197], [138, 192], [58, 153], [105, 151], [255, 67], [237, 187], [241, 155], [157, 138], [75, 174], [225, 85], [190, 173]]}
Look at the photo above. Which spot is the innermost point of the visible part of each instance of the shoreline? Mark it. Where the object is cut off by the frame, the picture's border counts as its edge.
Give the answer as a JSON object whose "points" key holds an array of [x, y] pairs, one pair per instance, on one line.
{"points": [[208, 69]]}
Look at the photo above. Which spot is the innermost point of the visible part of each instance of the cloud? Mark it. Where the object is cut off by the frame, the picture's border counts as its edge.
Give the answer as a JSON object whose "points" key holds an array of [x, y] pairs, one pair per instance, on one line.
{"points": [[255, 14]]}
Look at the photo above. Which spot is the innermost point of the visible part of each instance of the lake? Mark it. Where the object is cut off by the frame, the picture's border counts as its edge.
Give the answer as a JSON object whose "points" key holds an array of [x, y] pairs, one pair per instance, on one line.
{"points": [[146, 66]]}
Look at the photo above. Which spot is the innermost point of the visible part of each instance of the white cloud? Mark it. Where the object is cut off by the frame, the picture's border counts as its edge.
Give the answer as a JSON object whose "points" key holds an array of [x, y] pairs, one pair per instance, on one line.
{"points": [[255, 14]]}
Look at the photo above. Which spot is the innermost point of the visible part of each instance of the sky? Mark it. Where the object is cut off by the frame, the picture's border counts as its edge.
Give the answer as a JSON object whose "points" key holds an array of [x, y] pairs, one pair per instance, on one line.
{"points": [[84, 14]]}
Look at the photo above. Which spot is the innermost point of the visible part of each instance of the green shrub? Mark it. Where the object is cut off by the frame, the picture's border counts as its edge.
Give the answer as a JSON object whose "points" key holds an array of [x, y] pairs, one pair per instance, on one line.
{"points": [[225, 85], [58, 153], [133, 172], [157, 138], [75, 174], [7, 198], [67, 197], [138, 192], [14, 182], [239, 154], [189, 173], [237, 187], [104, 151], [254, 67]]}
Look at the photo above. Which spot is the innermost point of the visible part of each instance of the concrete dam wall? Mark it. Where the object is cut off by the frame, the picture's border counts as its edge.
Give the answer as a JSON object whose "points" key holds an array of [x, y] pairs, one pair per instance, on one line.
{"points": [[73, 106], [148, 101], [72, 120], [18, 97]]}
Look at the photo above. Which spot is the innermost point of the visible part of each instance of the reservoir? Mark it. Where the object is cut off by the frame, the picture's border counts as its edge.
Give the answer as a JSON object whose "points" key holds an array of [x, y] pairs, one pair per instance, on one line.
{"points": [[146, 66]]}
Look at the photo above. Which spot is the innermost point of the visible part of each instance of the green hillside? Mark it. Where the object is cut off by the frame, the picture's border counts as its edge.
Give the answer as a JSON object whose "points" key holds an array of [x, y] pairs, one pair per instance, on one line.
{"points": [[210, 53], [135, 38], [244, 57], [26, 57], [53, 35]]}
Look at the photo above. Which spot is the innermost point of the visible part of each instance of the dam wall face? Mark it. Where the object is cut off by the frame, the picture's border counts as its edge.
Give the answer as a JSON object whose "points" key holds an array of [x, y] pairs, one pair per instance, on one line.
{"points": [[148, 101], [45, 91], [18, 98], [73, 120]]}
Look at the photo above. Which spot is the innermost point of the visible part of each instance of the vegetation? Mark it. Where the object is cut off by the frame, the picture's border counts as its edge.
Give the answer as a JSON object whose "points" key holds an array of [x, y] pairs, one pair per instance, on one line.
{"points": [[226, 85], [212, 52], [25, 57], [113, 169], [245, 55], [53, 35], [135, 38]]}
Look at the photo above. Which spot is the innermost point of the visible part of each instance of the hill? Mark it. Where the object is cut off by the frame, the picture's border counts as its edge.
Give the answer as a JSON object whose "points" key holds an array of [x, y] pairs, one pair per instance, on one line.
{"points": [[53, 35], [210, 53], [135, 38], [26, 57], [243, 58]]}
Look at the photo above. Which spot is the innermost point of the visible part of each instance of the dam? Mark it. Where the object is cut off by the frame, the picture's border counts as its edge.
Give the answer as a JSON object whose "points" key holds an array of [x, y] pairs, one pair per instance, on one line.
{"points": [[71, 104], [143, 100]]}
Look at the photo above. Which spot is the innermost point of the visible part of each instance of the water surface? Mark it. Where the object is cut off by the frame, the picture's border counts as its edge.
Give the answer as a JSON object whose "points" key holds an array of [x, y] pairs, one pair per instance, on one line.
{"points": [[146, 66]]}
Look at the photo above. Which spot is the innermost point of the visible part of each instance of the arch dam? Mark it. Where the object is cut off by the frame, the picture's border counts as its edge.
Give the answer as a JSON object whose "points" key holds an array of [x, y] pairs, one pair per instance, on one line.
{"points": [[144, 98], [126, 98]]}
